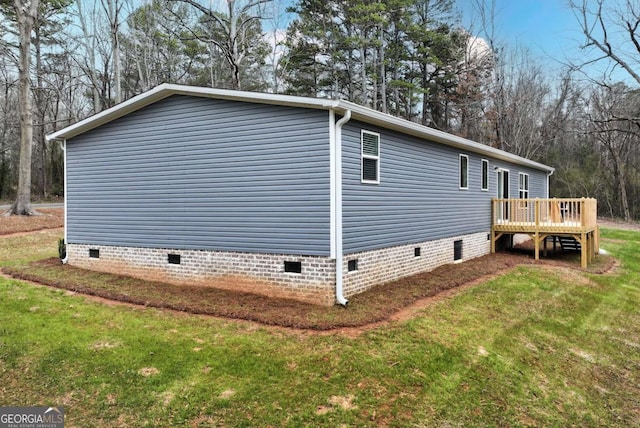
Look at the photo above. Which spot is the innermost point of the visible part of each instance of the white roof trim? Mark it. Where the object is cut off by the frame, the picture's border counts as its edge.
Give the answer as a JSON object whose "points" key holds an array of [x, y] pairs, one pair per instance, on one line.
{"points": [[391, 122], [361, 113]]}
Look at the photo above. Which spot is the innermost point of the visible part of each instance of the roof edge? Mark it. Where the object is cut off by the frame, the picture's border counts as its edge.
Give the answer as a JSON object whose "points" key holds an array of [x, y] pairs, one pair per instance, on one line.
{"points": [[166, 90], [359, 112], [385, 120]]}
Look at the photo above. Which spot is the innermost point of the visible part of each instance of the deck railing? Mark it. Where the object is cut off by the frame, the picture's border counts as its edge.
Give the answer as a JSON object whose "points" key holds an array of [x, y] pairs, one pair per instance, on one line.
{"points": [[545, 214]]}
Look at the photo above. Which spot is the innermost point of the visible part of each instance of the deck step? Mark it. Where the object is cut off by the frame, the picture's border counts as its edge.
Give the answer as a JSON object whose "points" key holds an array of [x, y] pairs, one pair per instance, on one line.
{"points": [[569, 244]]}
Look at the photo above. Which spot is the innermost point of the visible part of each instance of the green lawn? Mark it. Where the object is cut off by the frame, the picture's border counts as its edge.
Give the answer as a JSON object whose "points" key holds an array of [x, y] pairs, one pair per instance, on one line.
{"points": [[539, 346]]}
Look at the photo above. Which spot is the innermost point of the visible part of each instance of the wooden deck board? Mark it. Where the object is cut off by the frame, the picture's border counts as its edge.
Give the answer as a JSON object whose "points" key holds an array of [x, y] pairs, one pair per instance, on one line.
{"points": [[541, 218]]}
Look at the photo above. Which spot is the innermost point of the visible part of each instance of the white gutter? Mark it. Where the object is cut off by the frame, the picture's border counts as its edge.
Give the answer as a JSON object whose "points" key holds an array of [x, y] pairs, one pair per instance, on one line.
{"points": [[388, 121], [337, 206], [358, 112], [63, 145]]}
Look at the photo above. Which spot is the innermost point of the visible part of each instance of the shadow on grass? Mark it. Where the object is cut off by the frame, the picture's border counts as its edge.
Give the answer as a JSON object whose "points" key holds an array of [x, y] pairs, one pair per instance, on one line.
{"points": [[374, 305]]}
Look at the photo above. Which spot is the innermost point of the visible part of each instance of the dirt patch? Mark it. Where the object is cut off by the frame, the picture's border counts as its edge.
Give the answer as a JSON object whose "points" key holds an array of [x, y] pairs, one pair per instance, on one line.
{"points": [[394, 301], [47, 218], [337, 402], [226, 394], [148, 371]]}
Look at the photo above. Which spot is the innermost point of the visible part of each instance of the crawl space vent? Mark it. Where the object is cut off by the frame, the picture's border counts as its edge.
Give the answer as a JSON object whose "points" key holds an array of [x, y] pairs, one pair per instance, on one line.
{"points": [[457, 250], [293, 267]]}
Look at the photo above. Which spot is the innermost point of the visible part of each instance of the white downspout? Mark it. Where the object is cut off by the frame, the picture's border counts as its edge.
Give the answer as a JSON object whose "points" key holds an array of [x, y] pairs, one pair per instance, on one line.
{"points": [[548, 187], [337, 241], [63, 145]]}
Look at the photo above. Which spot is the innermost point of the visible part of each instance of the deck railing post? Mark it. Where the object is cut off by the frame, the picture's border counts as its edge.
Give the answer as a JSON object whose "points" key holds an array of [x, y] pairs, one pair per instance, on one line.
{"points": [[493, 211]]}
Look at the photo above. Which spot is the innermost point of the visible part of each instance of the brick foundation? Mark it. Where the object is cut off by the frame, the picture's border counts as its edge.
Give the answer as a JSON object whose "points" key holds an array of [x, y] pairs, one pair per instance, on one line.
{"points": [[388, 264], [265, 273], [254, 273]]}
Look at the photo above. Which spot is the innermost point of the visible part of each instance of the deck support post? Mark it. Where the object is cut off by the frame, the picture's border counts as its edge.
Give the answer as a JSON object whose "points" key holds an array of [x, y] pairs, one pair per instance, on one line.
{"points": [[584, 250], [494, 238]]}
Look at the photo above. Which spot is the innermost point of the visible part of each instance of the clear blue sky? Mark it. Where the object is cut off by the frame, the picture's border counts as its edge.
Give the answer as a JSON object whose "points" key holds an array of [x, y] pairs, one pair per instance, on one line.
{"points": [[547, 28]]}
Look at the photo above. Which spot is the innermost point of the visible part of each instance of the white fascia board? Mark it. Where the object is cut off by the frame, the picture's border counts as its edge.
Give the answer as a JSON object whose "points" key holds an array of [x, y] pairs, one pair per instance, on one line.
{"points": [[359, 112], [105, 116], [166, 90], [387, 121], [254, 97]]}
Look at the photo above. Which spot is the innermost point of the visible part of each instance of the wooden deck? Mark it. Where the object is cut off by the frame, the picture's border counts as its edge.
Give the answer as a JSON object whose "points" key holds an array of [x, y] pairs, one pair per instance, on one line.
{"points": [[542, 218]]}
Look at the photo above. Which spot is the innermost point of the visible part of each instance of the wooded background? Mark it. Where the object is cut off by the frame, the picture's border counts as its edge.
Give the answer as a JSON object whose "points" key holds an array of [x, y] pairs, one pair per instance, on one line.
{"points": [[409, 58]]}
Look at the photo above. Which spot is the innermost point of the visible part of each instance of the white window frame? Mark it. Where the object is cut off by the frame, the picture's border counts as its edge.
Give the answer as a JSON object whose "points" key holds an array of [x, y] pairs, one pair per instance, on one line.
{"points": [[523, 185], [484, 172], [364, 156], [460, 186]]}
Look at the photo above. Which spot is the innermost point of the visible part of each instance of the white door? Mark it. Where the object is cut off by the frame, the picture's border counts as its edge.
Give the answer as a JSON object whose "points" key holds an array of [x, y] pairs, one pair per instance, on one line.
{"points": [[503, 193]]}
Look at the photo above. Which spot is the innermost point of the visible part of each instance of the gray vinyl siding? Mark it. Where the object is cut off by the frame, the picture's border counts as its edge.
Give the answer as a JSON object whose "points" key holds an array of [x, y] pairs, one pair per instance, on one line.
{"points": [[537, 183], [199, 173], [537, 179], [418, 198]]}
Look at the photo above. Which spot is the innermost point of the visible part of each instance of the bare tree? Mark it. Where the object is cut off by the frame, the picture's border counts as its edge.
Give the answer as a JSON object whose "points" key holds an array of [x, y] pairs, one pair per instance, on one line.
{"points": [[113, 9], [9, 136], [88, 41], [617, 135], [25, 15], [276, 37], [612, 32], [235, 24]]}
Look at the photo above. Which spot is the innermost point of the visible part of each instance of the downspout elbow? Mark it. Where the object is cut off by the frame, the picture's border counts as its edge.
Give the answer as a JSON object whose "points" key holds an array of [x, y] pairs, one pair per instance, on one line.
{"points": [[549, 174]]}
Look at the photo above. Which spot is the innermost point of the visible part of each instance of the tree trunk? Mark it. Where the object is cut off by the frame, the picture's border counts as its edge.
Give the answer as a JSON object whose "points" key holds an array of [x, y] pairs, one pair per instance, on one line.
{"points": [[89, 44], [383, 74], [363, 75], [114, 24], [622, 184], [234, 53], [425, 95], [39, 149], [25, 17]]}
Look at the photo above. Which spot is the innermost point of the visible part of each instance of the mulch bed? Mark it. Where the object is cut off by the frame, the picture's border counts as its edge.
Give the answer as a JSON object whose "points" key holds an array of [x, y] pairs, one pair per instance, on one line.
{"points": [[375, 305]]}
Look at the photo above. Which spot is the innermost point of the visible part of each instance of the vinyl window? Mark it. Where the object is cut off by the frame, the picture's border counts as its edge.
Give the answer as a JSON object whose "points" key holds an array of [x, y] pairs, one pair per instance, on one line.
{"points": [[523, 185], [485, 174], [370, 154], [464, 172]]}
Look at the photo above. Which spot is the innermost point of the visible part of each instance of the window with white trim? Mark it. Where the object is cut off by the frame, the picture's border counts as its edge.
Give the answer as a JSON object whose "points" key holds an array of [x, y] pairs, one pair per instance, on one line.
{"points": [[485, 174], [523, 185], [370, 154], [464, 172]]}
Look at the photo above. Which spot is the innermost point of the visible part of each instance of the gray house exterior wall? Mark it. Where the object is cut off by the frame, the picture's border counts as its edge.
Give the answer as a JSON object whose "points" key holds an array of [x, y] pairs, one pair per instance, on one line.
{"points": [[239, 190], [203, 174], [418, 198], [417, 206]]}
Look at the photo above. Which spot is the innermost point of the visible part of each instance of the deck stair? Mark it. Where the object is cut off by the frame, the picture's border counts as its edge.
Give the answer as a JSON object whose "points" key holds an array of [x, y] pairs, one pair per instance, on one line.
{"points": [[569, 243]]}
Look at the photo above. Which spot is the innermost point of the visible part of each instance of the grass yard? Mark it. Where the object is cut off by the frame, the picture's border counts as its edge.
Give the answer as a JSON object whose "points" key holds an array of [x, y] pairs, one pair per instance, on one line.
{"points": [[539, 346]]}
